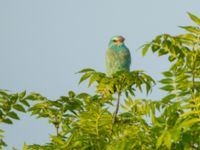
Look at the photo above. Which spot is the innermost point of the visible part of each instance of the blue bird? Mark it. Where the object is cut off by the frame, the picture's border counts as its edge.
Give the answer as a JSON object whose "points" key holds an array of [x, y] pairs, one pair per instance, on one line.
{"points": [[118, 56]]}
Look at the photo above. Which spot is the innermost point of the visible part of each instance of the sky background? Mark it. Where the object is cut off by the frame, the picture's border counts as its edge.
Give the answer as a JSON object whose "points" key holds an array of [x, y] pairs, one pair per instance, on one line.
{"points": [[43, 43]]}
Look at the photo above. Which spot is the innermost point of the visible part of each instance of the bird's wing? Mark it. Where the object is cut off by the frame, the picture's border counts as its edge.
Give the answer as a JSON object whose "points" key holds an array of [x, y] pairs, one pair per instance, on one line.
{"points": [[125, 56], [128, 56], [110, 57], [111, 63]]}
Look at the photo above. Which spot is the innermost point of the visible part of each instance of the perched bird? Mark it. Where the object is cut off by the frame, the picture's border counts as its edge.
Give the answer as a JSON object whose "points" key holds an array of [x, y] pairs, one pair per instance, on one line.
{"points": [[118, 56]]}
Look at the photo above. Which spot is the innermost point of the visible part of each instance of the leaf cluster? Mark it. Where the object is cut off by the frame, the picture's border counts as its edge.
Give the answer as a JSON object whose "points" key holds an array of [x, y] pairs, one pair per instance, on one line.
{"points": [[179, 118]]}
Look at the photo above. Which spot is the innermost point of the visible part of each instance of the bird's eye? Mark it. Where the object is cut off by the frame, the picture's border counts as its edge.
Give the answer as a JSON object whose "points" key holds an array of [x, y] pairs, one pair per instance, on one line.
{"points": [[114, 41]]}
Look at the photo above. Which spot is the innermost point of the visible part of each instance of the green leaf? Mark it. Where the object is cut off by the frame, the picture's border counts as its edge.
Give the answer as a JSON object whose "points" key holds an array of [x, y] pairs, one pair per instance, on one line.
{"points": [[188, 37], [188, 123], [191, 113], [67, 143], [13, 115], [145, 48], [191, 29], [155, 48], [187, 138], [93, 78], [14, 98], [2, 131], [8, 121], [131, 91], [85, 76], [126, 94], [19, 108], [167, 44], [166, 81], [194, 18], [86, 70], [171, 58], [148, 88], [35, 96], [167, 88], [168, 98], [71, 94], [157, 40], [22, 94], [167, 74], [25, 103], [167, 139], [83, 95], [4, 92], [162, 52], [57, 140], [159, 141]]}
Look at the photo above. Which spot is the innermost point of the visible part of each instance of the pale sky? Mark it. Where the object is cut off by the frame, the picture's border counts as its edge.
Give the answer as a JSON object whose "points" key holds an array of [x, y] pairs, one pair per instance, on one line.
{"points": [[43, 43]]}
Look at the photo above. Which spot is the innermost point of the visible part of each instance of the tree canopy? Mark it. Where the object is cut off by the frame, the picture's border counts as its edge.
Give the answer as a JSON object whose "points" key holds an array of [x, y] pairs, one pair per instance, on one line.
{"points": [[85, 121]]}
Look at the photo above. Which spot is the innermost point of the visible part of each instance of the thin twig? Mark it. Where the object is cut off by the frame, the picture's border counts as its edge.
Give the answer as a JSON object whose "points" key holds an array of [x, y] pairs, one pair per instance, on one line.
{"points": [[116, 111]]}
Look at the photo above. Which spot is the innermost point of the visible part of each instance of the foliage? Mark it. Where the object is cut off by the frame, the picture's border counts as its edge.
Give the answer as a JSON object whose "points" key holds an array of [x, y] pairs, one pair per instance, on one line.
{"points": [[99, 121], [85, 121], [10, 104], [180, 117]]}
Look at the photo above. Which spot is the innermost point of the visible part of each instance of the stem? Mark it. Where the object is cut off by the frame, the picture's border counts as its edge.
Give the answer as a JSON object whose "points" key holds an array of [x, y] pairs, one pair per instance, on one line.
{"points": [[193, 80], [97, 125], [116, 110], [119, 92], [57, 130], [57, 125], [193, 70], [193, 101]]}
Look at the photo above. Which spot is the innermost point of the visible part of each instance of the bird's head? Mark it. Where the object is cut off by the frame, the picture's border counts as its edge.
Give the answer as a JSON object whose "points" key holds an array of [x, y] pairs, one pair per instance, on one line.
{"points": [[117, 41]]}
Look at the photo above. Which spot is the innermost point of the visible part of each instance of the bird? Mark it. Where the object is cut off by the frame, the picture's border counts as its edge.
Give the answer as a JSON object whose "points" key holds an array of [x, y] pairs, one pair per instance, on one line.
{"points": [[118, 57]]}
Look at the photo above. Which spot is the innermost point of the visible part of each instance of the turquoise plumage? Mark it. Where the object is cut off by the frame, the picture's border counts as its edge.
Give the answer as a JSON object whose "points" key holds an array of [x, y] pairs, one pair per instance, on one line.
{"points": [[118, 56]]}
